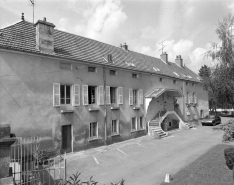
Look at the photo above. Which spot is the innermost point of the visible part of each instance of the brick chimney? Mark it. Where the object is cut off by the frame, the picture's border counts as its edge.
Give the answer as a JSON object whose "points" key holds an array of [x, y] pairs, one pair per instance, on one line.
{"points": [[179, 61], [45, 36], [164, 57]]}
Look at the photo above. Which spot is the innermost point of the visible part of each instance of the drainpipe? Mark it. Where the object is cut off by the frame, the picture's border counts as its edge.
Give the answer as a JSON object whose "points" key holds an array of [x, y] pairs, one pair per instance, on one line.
{"points": [[105, 112], [184, 93]]}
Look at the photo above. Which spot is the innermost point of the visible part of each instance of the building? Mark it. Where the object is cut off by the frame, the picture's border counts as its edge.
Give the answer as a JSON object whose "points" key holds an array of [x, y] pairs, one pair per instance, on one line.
{"points": [[77, 93]]}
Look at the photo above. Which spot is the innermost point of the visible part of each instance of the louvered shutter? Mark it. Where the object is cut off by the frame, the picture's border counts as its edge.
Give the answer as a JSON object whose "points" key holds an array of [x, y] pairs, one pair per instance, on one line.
{"points": [[195, 98], [141, 96], [138, 97], [56, 94], [76, 95], [130, 97], [100, 95], [85, 94], [107, 94], [120, 95]]}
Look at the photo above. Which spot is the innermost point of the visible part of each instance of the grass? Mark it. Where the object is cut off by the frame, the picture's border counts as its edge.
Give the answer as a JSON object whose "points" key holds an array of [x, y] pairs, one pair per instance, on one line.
{"points": [[209, 169]]}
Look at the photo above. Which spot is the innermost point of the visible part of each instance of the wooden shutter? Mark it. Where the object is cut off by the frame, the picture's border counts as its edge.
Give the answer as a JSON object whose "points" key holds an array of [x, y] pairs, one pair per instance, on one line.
{"points": [[138, 97], [56, 94], [100, 95], [120, 95], [130, 97], [107, 94], [76, 95], [85, 94], [195, 98], [141, 96]]}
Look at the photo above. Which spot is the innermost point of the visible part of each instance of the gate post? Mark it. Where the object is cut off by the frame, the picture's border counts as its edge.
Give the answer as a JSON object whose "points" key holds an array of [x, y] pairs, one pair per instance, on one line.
{"points": [[5, 143]]}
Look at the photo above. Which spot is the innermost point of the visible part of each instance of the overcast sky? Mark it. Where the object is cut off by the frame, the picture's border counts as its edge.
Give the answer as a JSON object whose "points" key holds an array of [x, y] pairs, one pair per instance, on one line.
{"points": [[187, 25]]}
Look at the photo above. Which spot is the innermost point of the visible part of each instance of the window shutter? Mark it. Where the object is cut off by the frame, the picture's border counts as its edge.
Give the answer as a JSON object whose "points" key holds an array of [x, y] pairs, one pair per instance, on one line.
{"points": [[195, 98], [141, 96], [100, 95], [120, 95], [107, 94], [85, 94], [130, 97], [76, 95], [56, 94], [138, 97]]}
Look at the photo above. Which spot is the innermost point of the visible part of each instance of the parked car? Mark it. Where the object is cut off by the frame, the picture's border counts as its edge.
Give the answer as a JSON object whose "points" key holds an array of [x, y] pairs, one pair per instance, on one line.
{"points": [[211, 120]]}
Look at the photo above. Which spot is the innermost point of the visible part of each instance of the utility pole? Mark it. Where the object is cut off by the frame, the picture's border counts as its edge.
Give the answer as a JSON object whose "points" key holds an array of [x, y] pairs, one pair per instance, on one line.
{"points": [[32, 1]]}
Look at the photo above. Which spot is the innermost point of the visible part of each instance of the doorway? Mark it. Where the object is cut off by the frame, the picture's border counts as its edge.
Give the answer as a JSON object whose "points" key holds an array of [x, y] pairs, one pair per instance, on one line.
{"points": [[67, 138], [201, 114]]}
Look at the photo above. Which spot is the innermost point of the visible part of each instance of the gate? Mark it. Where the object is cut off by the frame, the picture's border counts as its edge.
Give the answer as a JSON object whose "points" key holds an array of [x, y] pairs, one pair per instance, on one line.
{"points": [[29, 166]]}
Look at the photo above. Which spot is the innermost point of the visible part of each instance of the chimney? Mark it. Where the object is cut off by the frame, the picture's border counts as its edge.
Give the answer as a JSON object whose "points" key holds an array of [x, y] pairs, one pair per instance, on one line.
{"points": [[45, 36], [164, 57], [125, 47], [179, 61]]}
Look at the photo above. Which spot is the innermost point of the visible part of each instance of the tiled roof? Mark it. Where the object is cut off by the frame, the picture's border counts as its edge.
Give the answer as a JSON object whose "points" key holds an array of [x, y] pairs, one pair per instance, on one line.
{"points": [[22, 36]]}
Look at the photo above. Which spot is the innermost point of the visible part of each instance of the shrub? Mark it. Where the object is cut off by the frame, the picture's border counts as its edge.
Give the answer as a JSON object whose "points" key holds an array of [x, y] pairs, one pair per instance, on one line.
{"points": [[229, 157], [228, 131]]}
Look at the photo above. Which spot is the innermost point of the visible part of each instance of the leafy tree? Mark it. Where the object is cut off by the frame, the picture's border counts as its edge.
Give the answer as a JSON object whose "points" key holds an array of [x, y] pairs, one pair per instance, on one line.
{"points": [[219, 81]]}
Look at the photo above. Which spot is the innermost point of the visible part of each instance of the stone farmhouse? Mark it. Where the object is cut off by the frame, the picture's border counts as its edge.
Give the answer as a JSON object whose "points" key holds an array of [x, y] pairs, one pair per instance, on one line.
{"points": [[76, 93]]}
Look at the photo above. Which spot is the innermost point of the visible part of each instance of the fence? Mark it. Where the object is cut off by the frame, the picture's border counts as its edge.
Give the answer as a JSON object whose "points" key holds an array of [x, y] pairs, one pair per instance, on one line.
{"points": [[29, 166]]}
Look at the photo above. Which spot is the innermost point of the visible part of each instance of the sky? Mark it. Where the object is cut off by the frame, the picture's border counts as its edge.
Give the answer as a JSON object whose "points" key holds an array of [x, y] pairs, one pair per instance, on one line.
{"points": [[187, 27]]}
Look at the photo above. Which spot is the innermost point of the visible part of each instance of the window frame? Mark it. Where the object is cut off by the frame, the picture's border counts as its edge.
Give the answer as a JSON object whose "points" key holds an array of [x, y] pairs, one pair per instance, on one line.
{"points": [[117, 127], [95, 95], [174, 81], [115, 72], [65, 63], [135, 96], [113, 89], [140, 121], [135, 75], [96, 131], [160, 79], [134, 130], [91, 67], [65, 98]]}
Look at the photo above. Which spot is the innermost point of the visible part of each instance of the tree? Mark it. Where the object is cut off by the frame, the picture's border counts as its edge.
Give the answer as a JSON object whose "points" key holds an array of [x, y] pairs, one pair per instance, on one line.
{"points": [[221, 78]]}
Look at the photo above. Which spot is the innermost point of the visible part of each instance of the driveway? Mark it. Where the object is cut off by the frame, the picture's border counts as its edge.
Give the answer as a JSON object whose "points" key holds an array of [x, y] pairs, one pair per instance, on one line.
{"points": [[144, 160]]}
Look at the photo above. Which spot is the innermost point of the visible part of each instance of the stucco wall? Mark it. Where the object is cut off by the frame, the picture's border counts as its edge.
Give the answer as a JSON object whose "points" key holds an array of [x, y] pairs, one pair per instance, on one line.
{"points": [[26, 95]]}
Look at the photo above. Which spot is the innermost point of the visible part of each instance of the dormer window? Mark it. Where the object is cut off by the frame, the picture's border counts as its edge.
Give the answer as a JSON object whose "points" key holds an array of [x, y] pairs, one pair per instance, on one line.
{"points": [[92, 69], [109, 58]]}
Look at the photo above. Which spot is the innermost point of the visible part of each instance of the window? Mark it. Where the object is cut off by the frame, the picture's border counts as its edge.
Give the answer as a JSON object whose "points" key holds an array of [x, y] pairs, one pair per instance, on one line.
{"points": [[113, 94], [135, 96], [67, 66], [65, 94], [91, 94], [134, 75], [193, 84], [170, 124], [141, 123], [134, 124], [160, 79], [187, 83], [113, 72], [174, 82], [93, 130], [92, 69], [187, 97], [115, 126]]}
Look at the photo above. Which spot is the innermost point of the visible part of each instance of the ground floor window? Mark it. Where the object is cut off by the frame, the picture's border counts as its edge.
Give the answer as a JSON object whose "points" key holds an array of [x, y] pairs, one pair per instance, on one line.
{"points": [[115, 126], [134, 124], [141, 123], [93, 130]]}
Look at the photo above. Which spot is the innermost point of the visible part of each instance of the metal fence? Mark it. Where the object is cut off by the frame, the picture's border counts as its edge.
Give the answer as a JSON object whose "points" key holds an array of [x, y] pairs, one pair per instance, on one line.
{"points": [[30, 167]]}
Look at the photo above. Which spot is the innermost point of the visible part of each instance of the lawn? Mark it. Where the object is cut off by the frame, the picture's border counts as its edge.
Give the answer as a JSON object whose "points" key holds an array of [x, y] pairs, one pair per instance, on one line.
{"points": [[209, 169]]}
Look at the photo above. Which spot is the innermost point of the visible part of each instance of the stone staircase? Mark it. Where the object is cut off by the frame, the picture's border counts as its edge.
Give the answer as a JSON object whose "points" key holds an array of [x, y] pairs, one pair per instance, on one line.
{"points": [[155, 128]]}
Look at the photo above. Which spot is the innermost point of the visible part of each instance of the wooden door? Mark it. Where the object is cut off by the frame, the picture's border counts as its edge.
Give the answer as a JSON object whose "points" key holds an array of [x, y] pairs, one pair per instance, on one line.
{"points": [[66, 138]]}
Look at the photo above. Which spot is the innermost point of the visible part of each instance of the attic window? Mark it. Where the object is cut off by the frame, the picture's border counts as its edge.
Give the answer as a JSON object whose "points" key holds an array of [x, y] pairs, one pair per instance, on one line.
{"points": [[130, 64], [134, 75], [109, 58], [156, 69], [92, 69], [176, 74], [113, 72]]}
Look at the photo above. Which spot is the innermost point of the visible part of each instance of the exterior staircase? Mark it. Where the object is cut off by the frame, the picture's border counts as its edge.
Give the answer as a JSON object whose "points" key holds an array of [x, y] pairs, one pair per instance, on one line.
{"points": [[154, 127]]}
